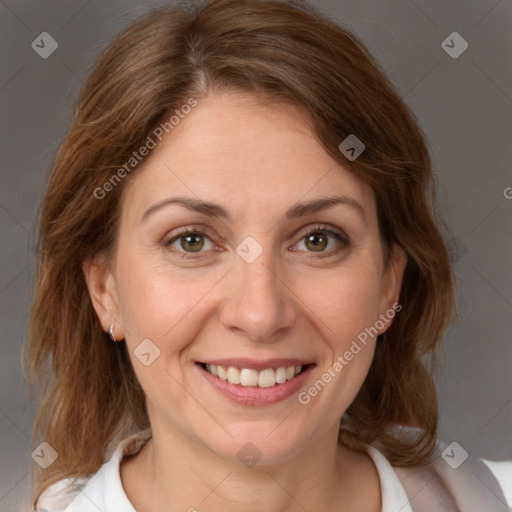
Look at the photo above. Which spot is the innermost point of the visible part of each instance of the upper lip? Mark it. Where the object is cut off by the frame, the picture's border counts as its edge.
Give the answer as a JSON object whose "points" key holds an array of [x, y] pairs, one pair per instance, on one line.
{"points": [[257, 364]]}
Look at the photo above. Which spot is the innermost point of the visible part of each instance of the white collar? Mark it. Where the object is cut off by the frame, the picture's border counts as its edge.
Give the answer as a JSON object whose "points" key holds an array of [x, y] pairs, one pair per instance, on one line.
{"points": [[393, 496], [104, 490]]}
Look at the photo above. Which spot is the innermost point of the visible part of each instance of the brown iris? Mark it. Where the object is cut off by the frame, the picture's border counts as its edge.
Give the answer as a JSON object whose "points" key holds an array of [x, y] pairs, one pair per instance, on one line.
{"points": [[316, 241], [192, 242]]}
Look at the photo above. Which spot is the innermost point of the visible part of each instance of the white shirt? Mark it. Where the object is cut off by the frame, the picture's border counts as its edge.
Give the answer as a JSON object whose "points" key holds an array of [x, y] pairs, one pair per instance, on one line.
{"points": [[104, 490]]}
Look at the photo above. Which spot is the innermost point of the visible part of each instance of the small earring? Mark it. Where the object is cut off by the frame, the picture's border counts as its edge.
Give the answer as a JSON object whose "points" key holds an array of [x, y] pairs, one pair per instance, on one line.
{"points": [[111, 333]]}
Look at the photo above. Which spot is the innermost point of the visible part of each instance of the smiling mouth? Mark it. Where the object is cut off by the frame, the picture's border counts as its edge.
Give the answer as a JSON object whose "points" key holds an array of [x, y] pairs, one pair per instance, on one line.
{"points": [[249, 377]]}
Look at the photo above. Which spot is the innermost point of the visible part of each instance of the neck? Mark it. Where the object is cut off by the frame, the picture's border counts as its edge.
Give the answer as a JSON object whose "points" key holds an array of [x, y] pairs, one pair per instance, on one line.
{"points": [[171, 472]]}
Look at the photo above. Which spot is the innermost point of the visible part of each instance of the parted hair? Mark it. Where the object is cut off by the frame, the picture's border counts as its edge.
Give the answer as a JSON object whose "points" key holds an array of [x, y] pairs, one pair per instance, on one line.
{"points": [[286, 51]]}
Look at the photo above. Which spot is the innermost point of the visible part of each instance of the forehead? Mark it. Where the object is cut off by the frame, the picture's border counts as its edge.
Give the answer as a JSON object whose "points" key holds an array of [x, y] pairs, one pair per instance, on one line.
{"points": [[254, 157]]}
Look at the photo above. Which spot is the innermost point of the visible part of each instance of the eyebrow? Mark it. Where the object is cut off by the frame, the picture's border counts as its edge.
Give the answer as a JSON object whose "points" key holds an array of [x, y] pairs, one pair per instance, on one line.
{"points": [[295, 211]]}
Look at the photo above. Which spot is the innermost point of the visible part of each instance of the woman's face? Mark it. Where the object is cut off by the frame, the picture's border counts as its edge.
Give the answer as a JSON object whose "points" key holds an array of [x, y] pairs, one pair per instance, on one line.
{"points": [[242, 244]]}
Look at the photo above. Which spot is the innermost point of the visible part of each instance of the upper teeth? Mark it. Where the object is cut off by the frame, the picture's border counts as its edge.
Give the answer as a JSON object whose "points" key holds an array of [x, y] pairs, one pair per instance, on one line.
{"points": [[249, 377]]}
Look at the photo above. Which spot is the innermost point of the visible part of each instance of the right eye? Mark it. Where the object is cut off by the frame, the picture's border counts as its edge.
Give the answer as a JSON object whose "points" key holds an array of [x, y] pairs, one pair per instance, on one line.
{"points": [[189, 241]]}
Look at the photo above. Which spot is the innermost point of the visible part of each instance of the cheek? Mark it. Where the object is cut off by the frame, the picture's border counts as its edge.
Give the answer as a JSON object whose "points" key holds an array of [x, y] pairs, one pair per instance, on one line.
{"points": [[160, 304], [345, 303], [344, 307], [164, 307]]}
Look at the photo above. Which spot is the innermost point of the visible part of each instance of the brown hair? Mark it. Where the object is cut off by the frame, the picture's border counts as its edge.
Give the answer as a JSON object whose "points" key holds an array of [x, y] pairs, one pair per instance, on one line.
{"points": [[286, 51]]}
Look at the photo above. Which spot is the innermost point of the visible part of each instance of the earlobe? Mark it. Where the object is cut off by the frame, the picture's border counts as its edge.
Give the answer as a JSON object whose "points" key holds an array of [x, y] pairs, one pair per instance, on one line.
{"points": [[102, 290]]}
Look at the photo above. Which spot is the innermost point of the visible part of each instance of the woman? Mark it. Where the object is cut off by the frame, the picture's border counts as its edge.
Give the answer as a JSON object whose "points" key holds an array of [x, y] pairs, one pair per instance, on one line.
{"points": [[239, 248]]}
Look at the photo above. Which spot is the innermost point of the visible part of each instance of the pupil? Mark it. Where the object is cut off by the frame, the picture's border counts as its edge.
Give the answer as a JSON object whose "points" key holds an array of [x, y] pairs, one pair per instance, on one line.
{"points": [[194, 242], [318, 241]]}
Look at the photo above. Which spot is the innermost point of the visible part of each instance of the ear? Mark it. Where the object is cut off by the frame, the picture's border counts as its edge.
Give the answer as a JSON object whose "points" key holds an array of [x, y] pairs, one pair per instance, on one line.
{"points": [[392, 282], [102, 290]]}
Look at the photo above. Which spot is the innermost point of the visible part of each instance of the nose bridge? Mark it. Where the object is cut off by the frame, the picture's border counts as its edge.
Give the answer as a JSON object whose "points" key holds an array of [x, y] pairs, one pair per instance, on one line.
{"points": [[258, 302]]}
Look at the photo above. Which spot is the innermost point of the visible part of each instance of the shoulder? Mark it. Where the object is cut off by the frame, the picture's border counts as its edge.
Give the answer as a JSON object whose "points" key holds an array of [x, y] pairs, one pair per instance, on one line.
{"points": [[101, 491], [502, 471], [58, 496], [453, 481]]}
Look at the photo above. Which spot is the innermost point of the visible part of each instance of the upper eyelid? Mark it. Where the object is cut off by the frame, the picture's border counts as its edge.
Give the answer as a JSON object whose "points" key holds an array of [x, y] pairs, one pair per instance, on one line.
{"points": [[321, 226], [187, 230], [205, 229]]}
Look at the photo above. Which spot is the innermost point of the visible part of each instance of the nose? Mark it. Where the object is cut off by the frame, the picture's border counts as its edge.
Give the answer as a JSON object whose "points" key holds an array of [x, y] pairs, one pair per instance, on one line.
{"points": [[258, 304]]}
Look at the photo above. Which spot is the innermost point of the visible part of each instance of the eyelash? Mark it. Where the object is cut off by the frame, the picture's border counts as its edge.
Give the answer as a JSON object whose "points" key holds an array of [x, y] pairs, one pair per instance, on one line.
{"points": [[341, 238]]}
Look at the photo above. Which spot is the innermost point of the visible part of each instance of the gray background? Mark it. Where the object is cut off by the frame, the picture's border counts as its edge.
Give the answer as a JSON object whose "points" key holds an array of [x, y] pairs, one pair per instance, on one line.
{"points": [[463, 104]]}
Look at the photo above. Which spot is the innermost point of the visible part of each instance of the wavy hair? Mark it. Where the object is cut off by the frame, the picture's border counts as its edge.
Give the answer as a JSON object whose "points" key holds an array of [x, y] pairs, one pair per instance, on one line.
{"points": [[281, 50]]}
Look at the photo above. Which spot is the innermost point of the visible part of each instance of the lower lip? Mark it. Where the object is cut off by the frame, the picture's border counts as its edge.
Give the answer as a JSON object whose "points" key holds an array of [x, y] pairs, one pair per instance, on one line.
{"points": [[254, 396]]}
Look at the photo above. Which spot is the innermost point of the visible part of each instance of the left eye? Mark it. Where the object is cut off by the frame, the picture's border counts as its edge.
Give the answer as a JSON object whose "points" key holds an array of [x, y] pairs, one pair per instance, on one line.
{"points": [[322, 240]]}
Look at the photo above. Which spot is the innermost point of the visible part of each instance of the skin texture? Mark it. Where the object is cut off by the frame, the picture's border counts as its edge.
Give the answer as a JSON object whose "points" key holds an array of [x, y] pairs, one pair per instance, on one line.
{"points": [[256, 160]]}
